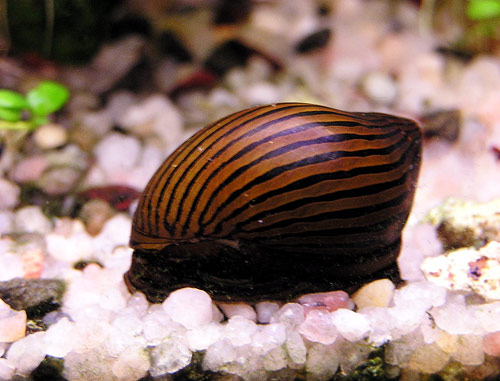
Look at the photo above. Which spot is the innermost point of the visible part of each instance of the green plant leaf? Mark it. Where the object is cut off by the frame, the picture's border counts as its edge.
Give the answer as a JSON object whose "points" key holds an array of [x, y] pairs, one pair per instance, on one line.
{"points": [[47, 97], [10, 115], [12, 100], [483, 9]]}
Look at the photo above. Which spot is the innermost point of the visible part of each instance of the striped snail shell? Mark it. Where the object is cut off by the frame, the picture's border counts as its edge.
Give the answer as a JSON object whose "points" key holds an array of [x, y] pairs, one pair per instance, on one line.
{"points": [[276, 201]]}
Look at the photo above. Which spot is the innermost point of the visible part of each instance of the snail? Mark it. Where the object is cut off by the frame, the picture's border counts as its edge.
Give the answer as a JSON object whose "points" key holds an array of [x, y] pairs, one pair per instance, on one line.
{"points": [[276, 201]]}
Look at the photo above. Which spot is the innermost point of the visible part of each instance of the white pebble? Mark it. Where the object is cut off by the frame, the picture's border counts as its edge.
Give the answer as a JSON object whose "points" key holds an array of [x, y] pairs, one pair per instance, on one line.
{"points": [[10, 194], [380, 87], [470, 350], [275, 359], [189, 306], [445, 317], [50, 136], [319, 328], [132, 364], [238, 309], [6, 369], [295, 347], [291, 315], [218, 354], [12, 323], [428, 359], [239, 331], [169, 357], [268, 337], [27, 353], [58, 339], [199, 339], [69, 241], [110, 154], [351, 325], [30, 219], [322, 361], [265, 310], [11, 265], [6, 221], [488, 315]]}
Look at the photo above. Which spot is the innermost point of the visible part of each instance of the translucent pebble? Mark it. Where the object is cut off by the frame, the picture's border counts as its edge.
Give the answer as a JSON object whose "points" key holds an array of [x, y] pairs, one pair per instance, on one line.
{"points": [[199, 339], [239, 331], [491, 344], [447, 342], [6, 221], [6, 369], [428, 359], [399, 352], [381, 323], [319, 327], [375, 294], [420, 296], [131, 325], [295, 347], [351, 325], [322, 361], [265, 310], [238, 309], [189, 306], [291, 315], [455, 318], [27, 353], [132, 364], [59, 338], [157, 325], [218, 354], [169, 357], [488, 316], [352, 355], [268, 338], [275, 359], [469, 350], [137, 305], [12, 323]]}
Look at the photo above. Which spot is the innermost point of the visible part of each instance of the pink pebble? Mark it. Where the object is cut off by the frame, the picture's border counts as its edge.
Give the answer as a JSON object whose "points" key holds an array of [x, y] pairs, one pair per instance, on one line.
{"points": [[325, 301], [491, 344], [29, 169]]}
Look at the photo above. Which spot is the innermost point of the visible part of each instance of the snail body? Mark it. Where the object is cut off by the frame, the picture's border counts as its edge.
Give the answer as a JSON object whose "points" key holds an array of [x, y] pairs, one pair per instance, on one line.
{"points": [[276, 201]]}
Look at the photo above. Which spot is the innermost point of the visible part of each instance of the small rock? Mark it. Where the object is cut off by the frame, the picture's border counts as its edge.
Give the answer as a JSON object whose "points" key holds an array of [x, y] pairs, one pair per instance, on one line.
{"points": [[12, 323], [132, 364], [169, 357], [50, 136], [428, 359], [351, 325], [29, 169], [291, 315], [268, 337], [94, 214], [322, 361], [325, 301], [11, 265], [239, 331], [58, 339], [189, 306], [59, 180], [10, 194], [319, 327], [36, 296], [7, 369], [6, 221], [27, 353], [380, 88], [238, 309], [265, 310], [110, 157], [199, 339], [491, 344], [30, 219], [469, 350], [375, 294]]}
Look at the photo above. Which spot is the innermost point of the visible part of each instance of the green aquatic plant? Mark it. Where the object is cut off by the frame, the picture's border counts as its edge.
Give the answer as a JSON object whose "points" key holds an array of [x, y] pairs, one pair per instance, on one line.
{"points": [[27, 112]]}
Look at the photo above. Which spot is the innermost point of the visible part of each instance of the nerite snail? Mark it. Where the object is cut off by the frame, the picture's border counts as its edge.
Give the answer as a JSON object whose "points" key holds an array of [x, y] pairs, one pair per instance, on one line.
{"points": [[276, 201]]}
